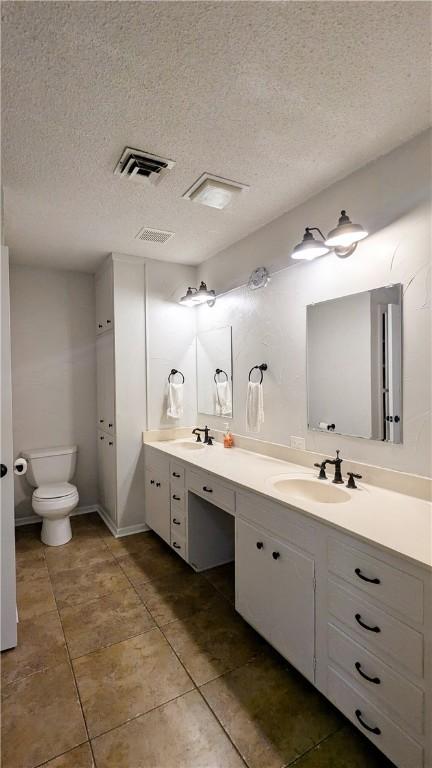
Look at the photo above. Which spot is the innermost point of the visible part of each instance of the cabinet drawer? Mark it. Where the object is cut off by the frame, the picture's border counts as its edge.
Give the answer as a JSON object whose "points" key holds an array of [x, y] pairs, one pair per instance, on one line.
{"points": [[388, 737], [177, 474], [178, 523], [377, 629], [397, 590], [179, 546], [211, 490], [377, 679], [278, 519], [178, 500]]}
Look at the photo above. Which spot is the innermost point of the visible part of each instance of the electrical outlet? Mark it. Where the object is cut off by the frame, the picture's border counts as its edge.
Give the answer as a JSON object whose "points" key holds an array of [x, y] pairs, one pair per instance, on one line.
{"points": [[298, 443]]}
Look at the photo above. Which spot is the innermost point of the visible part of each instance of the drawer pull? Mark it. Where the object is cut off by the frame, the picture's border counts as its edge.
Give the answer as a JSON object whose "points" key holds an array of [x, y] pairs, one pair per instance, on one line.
{"points": [[207, 490], [365, 578], [365, 626], [177, 546], [176, 498], [175, 474], [259, 544], [374, 680], [375, 730], [275, 555], [176, 522]]}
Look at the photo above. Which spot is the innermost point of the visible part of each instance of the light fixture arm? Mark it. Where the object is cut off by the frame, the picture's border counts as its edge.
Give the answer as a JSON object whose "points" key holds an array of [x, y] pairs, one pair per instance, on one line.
{"points": [[315, 229]]}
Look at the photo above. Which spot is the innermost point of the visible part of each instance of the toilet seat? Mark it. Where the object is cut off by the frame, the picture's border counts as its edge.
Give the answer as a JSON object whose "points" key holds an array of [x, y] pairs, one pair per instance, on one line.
{"points": [[53, 491]]}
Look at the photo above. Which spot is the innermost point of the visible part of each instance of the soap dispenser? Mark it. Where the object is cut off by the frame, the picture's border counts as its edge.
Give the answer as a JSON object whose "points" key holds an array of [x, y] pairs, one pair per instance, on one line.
{"points": [[228, 438]]}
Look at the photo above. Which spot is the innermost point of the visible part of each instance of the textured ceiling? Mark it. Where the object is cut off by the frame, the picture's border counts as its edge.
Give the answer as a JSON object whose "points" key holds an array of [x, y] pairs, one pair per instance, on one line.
{"points": [[286, 97]]}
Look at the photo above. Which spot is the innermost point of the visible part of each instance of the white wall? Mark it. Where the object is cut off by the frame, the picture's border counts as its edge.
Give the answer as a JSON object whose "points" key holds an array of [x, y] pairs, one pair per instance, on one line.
{"points": [[171, 331], [391, 198], [54, 371]]}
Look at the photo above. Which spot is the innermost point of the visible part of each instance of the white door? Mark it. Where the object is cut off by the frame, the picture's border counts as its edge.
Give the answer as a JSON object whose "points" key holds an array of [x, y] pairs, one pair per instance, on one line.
{"points": [[7, 515], [275, 592]]}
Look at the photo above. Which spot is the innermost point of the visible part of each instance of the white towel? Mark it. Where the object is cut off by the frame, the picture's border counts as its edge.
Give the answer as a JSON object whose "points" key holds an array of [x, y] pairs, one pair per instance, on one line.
{"points": [[254, 406], [175, 400], [223, 405]]}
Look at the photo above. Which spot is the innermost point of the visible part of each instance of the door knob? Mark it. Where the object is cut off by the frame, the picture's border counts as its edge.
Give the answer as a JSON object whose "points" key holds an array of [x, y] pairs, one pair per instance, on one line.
{"points": [[3, 470]]}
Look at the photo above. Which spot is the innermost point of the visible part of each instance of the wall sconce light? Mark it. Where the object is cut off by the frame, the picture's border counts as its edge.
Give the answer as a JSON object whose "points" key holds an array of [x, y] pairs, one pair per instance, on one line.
{"points": [[342, 240], [196, 296]]}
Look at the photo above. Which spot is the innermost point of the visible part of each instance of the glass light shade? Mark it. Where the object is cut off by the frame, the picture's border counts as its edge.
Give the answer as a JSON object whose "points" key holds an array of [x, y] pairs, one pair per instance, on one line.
{"points": [[309, 248], [214, 194], [345, 234], [194, 297]]}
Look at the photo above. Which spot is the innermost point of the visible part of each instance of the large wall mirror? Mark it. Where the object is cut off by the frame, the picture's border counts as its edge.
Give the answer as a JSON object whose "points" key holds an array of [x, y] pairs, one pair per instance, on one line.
{"points": [[354, 365], [214, 372]]}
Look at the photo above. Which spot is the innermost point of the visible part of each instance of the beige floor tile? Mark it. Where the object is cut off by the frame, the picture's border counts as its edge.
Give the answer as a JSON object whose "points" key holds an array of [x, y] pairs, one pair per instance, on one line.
{"points": [[176, 597], [345, 749], [80, 757], [40, 644], [30, 565], [181, 734], [34, 597], [128, 679], [41, 718], [270, 711], [77, 555], [155, 563], [105, 621], [222, 578], [135, 544], [27, 538], [79, 585], [213, 642]]}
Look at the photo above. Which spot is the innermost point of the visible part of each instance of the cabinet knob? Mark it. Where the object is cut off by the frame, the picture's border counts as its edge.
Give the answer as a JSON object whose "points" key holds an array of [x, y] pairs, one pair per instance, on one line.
{"points": [[100, 325], [110, 442], [110, 425], [259, 544], [152, 482], [275, 555], [101, 421], [108, 322], [101, 437], [158, 485]]}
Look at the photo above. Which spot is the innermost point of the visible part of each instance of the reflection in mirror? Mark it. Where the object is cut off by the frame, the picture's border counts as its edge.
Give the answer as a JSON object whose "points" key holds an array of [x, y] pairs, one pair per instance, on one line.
{"points": [[214, 372], [354, 365]]}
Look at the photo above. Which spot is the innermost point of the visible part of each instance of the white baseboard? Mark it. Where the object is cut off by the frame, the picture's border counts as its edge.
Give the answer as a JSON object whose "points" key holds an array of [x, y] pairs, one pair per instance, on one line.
{"points": [[119, 532], [30, 519]]}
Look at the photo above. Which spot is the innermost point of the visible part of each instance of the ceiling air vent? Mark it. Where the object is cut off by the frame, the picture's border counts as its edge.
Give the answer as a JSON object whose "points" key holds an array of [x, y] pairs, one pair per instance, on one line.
{"points": [[154, 235], [141, 166]]}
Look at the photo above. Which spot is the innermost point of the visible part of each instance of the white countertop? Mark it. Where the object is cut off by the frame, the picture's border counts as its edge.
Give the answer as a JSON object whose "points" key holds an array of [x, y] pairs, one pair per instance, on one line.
{"points": [[401, 524]]}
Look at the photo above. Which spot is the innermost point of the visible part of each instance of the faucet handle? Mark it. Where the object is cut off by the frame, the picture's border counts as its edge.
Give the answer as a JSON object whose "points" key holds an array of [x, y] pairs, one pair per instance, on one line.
{"points": [[351, 481], [322, 475]]}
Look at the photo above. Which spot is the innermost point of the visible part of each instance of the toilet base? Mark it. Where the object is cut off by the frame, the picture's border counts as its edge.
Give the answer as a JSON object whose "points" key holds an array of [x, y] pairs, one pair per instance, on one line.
{"points": [[56, 532]]}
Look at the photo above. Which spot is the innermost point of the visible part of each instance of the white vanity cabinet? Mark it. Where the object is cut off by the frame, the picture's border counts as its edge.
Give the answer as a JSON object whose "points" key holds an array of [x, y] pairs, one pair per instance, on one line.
{"points": [[275, 593], [157, 495], [121, 395]]}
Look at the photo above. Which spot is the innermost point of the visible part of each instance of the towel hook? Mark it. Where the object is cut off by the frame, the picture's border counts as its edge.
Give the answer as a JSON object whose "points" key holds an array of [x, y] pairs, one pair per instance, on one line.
{"points": [[217, 372], [173, 373], [261, 368]]}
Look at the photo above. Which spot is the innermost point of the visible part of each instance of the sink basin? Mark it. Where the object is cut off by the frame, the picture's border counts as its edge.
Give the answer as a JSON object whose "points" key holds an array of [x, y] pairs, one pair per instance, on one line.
{"points": [[311, 490], [188, 445]]}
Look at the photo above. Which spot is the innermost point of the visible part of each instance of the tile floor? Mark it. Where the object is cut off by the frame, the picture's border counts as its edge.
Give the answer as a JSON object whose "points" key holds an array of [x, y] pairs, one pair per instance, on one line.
{"points": [[128, 659]]}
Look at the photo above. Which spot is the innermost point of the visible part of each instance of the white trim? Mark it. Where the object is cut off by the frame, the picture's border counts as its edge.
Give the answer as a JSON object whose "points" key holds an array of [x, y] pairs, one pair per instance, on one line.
{"points": [[120, 532], [29, 519]]}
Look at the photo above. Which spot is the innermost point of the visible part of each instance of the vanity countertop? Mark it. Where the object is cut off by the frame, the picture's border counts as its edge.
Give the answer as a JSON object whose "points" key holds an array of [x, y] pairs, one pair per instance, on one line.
{"points": [[399, 523]]}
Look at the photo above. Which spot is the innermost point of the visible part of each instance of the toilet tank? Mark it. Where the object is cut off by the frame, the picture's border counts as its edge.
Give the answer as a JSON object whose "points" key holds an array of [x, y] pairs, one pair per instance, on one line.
{"points": [[50, 465]]}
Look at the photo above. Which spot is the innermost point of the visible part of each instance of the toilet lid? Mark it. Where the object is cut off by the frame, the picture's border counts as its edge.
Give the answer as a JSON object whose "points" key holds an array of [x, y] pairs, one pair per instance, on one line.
{"points": [[54, 491]]}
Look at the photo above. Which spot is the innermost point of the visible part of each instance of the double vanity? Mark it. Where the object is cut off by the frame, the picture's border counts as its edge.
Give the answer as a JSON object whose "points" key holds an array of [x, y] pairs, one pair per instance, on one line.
{"points": [[337, 579]]}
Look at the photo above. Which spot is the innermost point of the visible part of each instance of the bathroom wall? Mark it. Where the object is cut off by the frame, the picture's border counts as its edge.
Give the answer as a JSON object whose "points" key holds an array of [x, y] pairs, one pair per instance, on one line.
{"points": [[390, 197], [54, 371], [171, 331]]}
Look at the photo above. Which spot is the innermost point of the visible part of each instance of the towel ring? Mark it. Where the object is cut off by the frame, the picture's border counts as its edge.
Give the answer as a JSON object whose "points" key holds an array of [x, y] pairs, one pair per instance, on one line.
{"points": [[217, 372], [173, 373], [260, 368]]}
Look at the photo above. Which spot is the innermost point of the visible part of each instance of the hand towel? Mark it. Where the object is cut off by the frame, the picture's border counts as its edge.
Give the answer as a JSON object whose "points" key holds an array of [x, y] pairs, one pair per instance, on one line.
{"points": [[223, 399], [254, 406], [175, 400]]}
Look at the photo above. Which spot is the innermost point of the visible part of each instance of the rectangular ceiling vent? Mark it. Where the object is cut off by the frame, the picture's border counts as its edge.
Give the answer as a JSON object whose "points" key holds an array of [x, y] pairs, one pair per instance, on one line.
{"points": [[150, 235], [137, 165]]}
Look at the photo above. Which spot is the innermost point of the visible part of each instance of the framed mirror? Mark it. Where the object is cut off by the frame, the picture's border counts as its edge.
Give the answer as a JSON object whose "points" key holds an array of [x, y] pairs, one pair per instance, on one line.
{"points": [[354, 365], [214, 372]]}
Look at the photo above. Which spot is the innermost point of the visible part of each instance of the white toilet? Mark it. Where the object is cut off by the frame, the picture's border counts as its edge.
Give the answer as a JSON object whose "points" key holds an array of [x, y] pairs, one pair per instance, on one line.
{"points": [[54, 498]]}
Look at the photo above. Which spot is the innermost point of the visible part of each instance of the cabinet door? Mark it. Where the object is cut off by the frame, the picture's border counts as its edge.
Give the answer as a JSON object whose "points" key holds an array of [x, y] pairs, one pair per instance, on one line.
{"points": [[101, 466], [109, 472], [105, 382], [104, 300], [275, 592], [158, 503]]}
